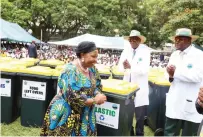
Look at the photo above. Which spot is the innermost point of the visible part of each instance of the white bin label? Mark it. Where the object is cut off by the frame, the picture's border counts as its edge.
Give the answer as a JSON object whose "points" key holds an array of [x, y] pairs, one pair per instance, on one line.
{"points": [[107, 114], [58, 89], [5, 88], [34, 90]]}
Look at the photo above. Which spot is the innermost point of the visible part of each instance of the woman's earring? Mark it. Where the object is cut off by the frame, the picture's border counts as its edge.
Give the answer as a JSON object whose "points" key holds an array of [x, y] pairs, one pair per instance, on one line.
{"points": [[82, 59]]}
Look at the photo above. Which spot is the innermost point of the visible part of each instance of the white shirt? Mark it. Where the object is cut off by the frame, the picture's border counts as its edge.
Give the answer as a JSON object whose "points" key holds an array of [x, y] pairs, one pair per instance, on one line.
{"points": [[183, 92], [138, 73]]}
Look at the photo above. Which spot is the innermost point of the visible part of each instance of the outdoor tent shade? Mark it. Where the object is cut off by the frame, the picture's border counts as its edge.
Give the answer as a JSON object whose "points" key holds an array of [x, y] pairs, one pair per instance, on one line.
{"points": [[100, 41], [14, 32]]}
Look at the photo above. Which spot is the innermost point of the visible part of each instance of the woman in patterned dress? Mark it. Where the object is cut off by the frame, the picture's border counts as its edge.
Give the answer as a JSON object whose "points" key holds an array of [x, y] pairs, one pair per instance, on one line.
{"points": [[72, 112]]}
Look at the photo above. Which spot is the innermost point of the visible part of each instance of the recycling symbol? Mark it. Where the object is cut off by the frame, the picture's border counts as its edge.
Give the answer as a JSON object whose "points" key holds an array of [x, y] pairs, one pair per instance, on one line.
{"points": [[101, 117]]}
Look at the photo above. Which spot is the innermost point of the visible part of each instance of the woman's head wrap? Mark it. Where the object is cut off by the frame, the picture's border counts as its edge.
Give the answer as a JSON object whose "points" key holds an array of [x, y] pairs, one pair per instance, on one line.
{"points": [[85, 47]]}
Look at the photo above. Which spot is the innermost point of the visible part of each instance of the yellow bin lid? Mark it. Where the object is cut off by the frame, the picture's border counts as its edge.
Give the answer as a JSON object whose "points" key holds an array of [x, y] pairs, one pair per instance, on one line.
{"points": [[154, 73], [152, 79], [8, 68], [120, 87], [160, 81], [101, 66], [21, 63], [40, 67], [43, 72], [51, 62], [116, 71], [163, 83], [29, 60], [155, 70], [56, 73], [104, 71], [60, 67]]}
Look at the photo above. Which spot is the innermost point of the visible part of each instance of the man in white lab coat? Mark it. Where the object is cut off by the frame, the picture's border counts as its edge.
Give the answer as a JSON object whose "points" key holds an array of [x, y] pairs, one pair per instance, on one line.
{"points": [[135, 62], [185, 69]]}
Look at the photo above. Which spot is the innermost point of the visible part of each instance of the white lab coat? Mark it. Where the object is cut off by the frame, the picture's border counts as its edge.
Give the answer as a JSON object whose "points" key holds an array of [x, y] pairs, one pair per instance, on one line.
{"points": [[183, 92], [138, 73]]}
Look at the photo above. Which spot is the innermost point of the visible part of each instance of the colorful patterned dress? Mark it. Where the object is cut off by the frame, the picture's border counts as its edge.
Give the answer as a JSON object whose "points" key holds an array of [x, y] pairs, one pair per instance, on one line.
{"points": [[67, 114]]}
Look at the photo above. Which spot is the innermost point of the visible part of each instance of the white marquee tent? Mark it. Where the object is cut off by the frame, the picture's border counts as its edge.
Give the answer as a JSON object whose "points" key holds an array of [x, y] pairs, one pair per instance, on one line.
{"points": [[100, 41]]}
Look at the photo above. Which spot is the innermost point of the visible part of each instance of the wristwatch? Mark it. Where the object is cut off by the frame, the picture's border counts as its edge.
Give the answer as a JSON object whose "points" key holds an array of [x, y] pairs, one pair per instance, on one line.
{"points": [[171, 80]]}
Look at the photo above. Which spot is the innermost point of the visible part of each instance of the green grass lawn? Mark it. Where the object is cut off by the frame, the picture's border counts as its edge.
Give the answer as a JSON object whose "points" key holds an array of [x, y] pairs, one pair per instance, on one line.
{"points": [[15, 129], [147, 130]]}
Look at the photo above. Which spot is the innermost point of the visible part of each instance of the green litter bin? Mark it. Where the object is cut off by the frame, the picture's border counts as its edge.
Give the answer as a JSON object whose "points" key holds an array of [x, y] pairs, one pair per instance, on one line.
{"points": [[115, 117], [200, 130], [104, 71], [37, 92], [9, 94], [158, 87], [55, 76], [116, 74], [53, 63]]}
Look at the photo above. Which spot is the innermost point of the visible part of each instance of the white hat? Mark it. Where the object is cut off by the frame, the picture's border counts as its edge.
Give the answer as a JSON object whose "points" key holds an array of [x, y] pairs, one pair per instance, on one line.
{"points": [[135, 33], [184, 32]]}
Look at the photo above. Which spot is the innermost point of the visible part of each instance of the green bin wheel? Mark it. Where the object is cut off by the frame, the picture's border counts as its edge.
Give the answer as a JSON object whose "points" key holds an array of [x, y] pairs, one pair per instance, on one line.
{"points": [[145, 121], [159, 132]]}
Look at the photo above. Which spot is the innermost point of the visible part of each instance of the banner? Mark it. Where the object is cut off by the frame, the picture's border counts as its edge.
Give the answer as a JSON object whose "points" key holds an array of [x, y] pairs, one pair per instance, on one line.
{"points": [[5, 88], [107, 114], [34, 90]]}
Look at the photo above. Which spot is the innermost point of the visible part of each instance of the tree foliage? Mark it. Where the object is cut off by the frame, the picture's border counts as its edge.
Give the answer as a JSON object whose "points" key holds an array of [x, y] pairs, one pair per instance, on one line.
{"points": [[156, 19]]}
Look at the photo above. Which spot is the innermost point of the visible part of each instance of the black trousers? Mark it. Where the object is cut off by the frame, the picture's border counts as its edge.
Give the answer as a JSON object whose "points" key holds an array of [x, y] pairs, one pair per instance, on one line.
{"points": [[174, 126], [140, 113]]}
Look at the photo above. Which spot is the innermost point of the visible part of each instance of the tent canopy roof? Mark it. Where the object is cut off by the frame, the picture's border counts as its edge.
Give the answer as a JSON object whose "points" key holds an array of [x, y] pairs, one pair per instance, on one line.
{"points": [[100, 41], [12, 31]]}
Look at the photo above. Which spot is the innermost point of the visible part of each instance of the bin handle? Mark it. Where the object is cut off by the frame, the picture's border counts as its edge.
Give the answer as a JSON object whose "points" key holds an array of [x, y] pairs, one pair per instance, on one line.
{"points": [[127, 101]]}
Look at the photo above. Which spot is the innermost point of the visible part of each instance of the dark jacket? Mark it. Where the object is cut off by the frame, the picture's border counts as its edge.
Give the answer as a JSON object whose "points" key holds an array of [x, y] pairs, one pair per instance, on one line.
{"points": [[32, 51]]}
